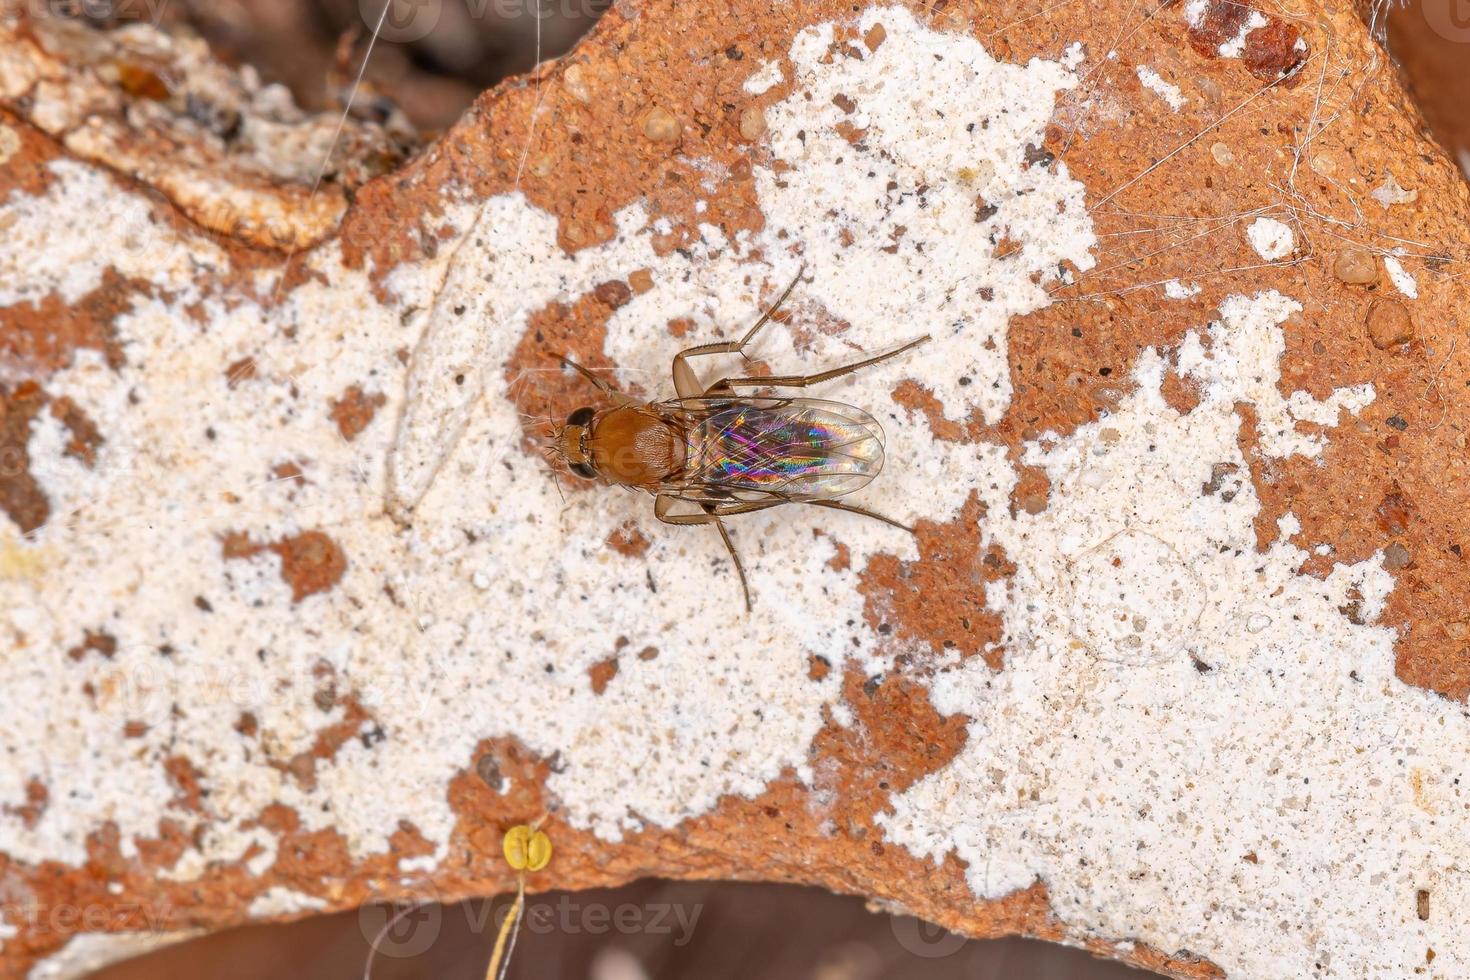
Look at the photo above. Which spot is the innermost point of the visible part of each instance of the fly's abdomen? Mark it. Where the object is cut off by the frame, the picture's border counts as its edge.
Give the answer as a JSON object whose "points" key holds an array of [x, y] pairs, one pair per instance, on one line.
{"points": [[798, 448]]}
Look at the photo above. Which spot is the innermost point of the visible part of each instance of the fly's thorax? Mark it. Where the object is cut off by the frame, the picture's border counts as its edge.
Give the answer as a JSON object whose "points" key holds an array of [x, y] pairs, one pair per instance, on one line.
{"points": [[636, 446]]}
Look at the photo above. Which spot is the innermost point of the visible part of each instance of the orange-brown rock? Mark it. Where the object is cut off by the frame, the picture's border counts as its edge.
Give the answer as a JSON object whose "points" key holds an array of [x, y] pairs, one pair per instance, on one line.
{"points": [[1050, 609]]}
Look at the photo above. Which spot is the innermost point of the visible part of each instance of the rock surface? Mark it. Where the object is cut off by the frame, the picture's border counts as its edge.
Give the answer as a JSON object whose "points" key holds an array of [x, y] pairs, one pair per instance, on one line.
{"points": [[1173, 668]]}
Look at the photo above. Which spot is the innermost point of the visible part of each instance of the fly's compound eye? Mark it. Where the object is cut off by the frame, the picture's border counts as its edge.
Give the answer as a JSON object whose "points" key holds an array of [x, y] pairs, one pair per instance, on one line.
{"points": [[582, 417], [583, 470]]}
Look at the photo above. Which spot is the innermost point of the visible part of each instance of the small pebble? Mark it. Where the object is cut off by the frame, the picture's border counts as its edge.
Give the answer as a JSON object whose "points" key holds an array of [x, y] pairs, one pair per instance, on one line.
{"points": [[660, 125], [1390, 193], [9, 142], [575, 79], [1356, 267], [614, 293], [753, 123], [1033, 503], [1389, 324], [1396, 556], [1222, 154]]}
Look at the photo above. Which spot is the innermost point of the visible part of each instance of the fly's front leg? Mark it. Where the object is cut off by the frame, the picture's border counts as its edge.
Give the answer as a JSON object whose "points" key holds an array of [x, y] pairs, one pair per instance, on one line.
{"points": [[686, 382], [663, 504], [598, 383], [804, 380]]}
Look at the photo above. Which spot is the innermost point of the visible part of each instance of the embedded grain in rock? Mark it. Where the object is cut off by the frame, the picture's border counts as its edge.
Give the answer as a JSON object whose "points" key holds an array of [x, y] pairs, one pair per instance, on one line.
{"points": [[311, 562], [601, 674], [1274, 51], [1389, 324], [752, 122], [1356, 267], [614, 293], [1213, 23], [575, 80], [628, 539], [38, 336], [353, 411], [21, 497], [540, 387], [661, 125]]}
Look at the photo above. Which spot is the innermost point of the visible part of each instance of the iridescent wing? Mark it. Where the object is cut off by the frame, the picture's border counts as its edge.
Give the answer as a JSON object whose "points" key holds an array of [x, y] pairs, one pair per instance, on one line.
{"points": [[793, 449]]}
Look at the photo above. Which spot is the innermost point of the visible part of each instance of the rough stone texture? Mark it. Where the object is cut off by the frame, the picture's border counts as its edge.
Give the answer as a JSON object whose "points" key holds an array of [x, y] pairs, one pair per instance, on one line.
{"points": [[1174, 668]]}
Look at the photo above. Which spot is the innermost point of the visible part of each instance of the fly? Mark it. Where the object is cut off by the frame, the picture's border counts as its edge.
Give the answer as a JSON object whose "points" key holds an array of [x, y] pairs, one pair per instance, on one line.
{"points": [[712, 453]]}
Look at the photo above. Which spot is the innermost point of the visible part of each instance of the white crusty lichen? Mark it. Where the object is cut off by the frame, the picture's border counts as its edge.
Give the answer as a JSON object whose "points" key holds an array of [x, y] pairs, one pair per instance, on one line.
{"points": [[1164, 89], [1239, 359], [279, 901], [40, 260], [1192, 743], [1401, 278], [1166, 684], [950, 166], [1273, 240], [473, 607], [767, 78], [85, 954]]}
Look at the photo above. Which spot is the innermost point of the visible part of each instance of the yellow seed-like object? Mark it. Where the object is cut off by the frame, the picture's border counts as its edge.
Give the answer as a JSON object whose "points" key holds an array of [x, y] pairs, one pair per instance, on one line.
{"points": [[526, 849], [538, 855]]}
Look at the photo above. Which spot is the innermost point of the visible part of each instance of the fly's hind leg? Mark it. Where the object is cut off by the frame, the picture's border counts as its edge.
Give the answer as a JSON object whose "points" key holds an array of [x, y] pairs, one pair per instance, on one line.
{"points": [[664, 503], [855, 509], [686, 382], [728, 385]]}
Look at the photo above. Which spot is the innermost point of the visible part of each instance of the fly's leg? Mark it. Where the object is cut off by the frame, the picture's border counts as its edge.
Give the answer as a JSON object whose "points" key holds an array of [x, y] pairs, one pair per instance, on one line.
{"points": [[686, 382], [854, 509], [727, 385], [598, 383], [664, 503], [735, 557]]}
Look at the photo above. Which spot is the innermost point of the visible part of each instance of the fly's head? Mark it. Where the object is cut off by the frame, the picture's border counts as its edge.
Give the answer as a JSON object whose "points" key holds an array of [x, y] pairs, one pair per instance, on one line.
{"points": [[571, 443]]}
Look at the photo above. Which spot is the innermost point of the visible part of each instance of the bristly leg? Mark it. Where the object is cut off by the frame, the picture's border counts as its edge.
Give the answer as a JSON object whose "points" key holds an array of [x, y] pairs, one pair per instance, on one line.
{"points": [[600, 384], [686, 382], [663, 503], [727, 385]]}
